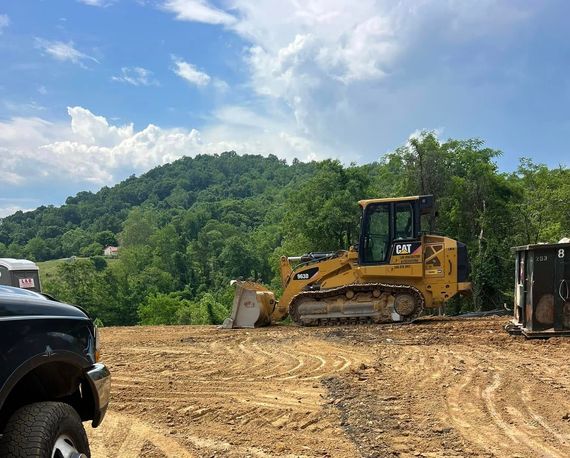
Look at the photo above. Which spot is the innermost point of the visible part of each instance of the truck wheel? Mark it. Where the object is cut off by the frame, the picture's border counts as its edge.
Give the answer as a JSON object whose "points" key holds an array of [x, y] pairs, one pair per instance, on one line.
{"points": [[45, 430]]}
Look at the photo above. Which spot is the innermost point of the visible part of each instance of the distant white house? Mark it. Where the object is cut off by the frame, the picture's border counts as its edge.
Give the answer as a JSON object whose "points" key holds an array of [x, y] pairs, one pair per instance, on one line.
{"points": [[111, 250]]}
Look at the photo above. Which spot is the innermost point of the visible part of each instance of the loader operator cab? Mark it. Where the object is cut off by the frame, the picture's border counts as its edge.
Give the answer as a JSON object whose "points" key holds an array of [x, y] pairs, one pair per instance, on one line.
{"points": [[387, 220]]}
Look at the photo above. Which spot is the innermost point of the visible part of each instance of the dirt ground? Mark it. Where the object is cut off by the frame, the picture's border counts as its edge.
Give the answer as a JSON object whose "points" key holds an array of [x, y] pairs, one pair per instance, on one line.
{"points": [[439, 388]]}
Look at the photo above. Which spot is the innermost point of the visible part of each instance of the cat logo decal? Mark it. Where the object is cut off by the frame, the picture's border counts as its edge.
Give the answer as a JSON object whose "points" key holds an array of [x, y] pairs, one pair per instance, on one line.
{"points": [[404, 248]]}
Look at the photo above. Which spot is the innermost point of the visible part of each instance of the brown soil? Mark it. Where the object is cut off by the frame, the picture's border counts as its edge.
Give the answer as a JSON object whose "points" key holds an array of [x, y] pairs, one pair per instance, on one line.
{"points": [[439, 388]]}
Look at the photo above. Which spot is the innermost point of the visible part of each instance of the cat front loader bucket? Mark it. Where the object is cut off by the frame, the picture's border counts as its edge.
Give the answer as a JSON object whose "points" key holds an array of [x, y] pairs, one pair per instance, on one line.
{"points": [[252, 307]]}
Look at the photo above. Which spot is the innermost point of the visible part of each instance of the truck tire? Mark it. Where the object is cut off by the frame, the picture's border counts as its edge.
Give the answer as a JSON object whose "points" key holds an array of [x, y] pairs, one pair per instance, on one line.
{"points": [[45, 430]]}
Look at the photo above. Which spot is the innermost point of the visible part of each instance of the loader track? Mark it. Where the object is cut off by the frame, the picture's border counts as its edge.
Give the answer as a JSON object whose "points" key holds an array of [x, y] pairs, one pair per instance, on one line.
{"points": [[356, 288]]}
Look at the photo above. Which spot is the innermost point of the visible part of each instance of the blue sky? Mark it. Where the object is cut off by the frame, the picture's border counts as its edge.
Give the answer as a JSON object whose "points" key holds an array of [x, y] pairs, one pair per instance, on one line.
{"points": [[92, 91]]}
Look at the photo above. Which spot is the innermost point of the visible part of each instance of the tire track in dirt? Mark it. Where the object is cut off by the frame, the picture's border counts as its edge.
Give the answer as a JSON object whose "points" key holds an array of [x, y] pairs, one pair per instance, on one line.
{"points": [[125, 436], [442, 393], [501, 397], [443, 388], [130, 438], [488, 399], [207, 394]]}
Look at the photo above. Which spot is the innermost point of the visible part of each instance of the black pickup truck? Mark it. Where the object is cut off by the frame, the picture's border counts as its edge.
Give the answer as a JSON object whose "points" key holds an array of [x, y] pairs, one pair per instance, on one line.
{"points": [[50, 377]]}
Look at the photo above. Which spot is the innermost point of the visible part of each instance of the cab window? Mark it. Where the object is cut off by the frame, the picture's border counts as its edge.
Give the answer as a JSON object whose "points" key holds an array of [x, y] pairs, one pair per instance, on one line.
{"points": [[404, 221], [376, 239]]}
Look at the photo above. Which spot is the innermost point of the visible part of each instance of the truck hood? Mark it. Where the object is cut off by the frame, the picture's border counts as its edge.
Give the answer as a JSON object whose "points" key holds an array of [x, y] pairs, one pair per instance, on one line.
{"points": [[17, 302]]}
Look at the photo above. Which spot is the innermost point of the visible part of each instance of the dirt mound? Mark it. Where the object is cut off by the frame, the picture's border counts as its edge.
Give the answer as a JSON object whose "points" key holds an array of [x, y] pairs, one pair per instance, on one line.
{"points": [[436, 388]]}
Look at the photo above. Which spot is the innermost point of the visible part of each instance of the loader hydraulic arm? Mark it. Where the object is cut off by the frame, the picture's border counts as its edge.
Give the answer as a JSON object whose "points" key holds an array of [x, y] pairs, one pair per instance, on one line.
{"points": [[286, 270]]}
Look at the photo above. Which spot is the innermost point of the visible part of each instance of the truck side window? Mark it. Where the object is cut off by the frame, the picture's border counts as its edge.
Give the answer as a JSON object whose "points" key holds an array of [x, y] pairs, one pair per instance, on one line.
{"points": [[404, 221]]}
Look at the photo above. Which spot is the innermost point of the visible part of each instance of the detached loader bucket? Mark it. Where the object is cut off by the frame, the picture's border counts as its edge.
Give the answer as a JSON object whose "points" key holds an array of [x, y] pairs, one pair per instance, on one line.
{"points": [[252, 307]]}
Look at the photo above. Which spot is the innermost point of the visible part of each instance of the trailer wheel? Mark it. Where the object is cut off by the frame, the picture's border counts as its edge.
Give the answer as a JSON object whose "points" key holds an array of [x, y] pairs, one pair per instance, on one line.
{"points": [[45, 430]]}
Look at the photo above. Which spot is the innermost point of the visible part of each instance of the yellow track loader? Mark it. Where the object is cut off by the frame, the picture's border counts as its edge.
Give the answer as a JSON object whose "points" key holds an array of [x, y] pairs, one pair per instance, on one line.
{"points": [[392, 275]]}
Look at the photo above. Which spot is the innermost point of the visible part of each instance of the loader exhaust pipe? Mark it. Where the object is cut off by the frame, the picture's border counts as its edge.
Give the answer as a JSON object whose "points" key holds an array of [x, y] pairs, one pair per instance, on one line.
{"points": [[308, 257]]}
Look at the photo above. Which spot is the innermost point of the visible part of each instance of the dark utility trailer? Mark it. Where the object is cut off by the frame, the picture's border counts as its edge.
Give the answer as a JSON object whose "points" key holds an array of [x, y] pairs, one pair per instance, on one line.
{"points": [[20, 273], [542, 290]]}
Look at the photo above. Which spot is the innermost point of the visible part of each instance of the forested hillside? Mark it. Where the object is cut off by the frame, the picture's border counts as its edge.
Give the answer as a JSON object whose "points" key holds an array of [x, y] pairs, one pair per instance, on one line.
{"points": [[185, 229]]}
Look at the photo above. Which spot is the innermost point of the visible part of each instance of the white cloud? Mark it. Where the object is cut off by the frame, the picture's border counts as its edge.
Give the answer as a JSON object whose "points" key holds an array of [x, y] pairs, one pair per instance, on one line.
{"points": [[352, 74], [198, 11], [311, 56], [28, 133], [190, 73], [137, 76], [20, 139], [335, 39], [10, 210], [239, 116], [87, 150], [246, 130], [4, 22], [22, 108], [90, 151], [11, 177], [95, 130], [331, 78], [220, 85], [63, 51]]}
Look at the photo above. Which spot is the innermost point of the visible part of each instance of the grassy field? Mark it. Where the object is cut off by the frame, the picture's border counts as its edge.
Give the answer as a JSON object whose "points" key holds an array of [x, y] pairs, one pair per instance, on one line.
{"points": [[48, 269]]}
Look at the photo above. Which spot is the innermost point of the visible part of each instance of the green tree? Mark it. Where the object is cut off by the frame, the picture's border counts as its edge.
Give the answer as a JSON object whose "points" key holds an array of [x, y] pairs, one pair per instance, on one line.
{"points": [[138, 227], [473, 205], [74, 240], [106, 238], [189, 227], [207, 311], [99, 262], [93, 249], [36, 249], [542, 204], [80, 283], [323, 213], [160, 309], [239, 258]]}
